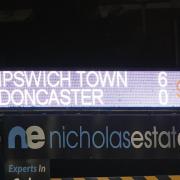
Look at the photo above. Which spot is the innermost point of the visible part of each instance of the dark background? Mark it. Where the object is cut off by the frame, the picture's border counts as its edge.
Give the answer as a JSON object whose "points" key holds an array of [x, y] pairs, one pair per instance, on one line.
{"points": [[89, 33], [93, 34]]}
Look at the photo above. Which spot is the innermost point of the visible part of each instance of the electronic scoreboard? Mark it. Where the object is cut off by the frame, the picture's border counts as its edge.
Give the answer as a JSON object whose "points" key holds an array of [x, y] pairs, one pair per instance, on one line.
{"points": [[87, 89], [36, 144]]}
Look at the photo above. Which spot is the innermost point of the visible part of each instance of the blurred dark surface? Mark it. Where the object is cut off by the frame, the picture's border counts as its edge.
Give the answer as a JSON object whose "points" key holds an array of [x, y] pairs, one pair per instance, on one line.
{"points": [[93, 34], [104, 168], [1, 152], [131, 33]]}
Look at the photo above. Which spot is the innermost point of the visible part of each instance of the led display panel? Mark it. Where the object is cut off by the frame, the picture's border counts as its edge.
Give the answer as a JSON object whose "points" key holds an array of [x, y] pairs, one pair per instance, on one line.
{"points": [[87, 89]]}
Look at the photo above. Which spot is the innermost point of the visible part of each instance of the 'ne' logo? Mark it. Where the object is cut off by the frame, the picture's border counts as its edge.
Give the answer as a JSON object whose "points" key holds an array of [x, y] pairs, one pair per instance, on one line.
{"points": [[33, 137]]}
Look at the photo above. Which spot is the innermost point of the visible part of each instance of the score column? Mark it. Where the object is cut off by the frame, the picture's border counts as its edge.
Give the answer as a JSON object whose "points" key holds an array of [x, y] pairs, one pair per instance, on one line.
{"points": [[163, 94]]}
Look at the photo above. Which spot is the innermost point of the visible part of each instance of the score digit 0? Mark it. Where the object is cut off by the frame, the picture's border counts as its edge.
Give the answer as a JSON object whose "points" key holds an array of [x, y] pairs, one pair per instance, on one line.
{"points": [[178, 88]]}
